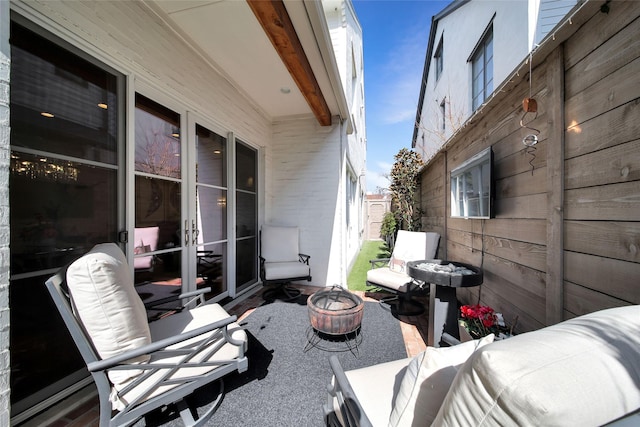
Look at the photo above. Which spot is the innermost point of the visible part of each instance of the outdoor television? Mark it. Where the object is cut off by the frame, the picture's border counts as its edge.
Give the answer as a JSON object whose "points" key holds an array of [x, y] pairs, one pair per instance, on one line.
{"points": [[472, 187]]}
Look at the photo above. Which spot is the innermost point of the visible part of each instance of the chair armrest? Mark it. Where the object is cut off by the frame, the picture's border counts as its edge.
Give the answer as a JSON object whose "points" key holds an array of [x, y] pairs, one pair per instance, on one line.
{"points": [[350, 408], [379, 262], [153, 347], [304, 258], [194, 295]]}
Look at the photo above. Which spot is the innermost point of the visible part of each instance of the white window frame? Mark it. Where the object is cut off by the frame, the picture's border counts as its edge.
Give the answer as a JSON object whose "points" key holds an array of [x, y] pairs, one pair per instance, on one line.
{"points": [[482, 56]]}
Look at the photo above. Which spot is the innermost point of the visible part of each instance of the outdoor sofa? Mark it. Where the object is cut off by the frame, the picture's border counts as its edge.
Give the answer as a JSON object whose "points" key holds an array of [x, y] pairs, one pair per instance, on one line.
{"points": [[581, 372]]}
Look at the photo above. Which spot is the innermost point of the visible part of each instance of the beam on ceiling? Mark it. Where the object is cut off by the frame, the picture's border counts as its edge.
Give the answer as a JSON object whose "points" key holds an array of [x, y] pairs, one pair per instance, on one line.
{"points": [[275, 21]]}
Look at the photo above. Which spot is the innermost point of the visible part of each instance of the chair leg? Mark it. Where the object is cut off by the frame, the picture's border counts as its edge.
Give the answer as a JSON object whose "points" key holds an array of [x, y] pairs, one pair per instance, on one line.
{"points": [[281, 291], [187, 412], [401, 305]]}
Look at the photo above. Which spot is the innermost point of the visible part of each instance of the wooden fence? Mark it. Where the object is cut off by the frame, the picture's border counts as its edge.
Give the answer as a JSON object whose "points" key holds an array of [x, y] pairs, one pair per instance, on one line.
{"points": [[565, 239]]}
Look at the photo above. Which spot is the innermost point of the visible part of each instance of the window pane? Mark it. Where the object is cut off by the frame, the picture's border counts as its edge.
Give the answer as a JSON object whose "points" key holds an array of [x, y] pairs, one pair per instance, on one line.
{"points": [[246, 167], [211, 208], [246, 265], [70, 207], [157, 139], [246, 214], [78, 99], [211, 164], [212, 270]]}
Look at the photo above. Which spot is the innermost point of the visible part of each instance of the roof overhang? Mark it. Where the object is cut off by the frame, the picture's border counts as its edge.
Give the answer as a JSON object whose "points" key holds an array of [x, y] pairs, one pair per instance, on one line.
{"points": [[278, 54]]}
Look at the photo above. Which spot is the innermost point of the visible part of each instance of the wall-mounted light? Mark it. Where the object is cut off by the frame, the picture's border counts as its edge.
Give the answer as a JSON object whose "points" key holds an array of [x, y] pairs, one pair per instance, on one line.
{"points": [[103, 105], [47, 114]]}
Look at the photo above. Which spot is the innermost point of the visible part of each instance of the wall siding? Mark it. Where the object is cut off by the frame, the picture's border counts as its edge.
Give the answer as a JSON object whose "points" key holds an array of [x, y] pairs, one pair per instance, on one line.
{"points": [[566, 232]]}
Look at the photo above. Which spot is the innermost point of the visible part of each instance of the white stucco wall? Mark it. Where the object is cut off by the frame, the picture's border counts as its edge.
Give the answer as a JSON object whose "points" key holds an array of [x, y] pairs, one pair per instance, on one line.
{"points": [[346, 36], [304, 189], [5, 368]]}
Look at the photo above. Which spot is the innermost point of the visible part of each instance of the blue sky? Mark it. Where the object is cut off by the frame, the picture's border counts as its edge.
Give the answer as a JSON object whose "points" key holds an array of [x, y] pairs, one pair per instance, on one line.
{"points": [[396, 33]]}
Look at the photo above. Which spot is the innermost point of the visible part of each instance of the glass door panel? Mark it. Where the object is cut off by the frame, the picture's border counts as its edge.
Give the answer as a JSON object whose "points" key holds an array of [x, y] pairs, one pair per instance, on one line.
{"points": [[211, 211], [63, 196], [158, 233], [246, 216]]}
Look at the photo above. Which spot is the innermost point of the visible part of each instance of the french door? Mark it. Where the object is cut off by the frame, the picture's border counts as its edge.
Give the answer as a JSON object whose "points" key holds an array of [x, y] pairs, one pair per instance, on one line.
{"points": [[180, 220]]}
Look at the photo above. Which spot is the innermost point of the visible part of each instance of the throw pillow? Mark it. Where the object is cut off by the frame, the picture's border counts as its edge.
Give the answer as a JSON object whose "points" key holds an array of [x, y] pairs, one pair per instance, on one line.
{"points": [[427, 380], [583, 371], [108, 306]]}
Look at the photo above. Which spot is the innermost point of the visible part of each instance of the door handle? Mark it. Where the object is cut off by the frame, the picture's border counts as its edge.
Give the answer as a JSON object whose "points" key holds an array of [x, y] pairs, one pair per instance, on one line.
{"points": [[194, 233], [186, 232]]}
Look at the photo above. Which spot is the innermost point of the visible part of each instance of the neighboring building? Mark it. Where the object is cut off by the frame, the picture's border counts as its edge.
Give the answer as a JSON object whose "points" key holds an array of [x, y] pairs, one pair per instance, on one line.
{"points": [[473, 47], [176, 129]]}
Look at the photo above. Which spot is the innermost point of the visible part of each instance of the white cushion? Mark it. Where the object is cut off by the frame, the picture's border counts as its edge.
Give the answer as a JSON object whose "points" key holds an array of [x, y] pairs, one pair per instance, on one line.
{"points": [[427, 380], [285, 270], [388, 278], [279, 244], [108, 305], [584, 371], [174, 325], [375, 387]]}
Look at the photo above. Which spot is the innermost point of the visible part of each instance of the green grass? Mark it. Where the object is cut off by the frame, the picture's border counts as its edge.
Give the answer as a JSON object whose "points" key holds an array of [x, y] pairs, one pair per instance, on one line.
{"points": [[371, 249]]}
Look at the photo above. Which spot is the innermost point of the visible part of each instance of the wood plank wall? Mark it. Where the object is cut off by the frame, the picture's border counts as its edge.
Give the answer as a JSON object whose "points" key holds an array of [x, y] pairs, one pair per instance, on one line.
{"points": [[557, 248]]}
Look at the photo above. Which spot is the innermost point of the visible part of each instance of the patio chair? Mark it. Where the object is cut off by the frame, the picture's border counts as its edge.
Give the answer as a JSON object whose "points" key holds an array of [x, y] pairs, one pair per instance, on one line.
{"points": [[146, 240], [389, 274], [281, 262], [139, 366]]}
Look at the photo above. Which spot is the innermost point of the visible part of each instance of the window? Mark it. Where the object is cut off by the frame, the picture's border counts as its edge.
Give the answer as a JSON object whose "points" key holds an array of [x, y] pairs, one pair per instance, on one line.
{"points": [[471, 187], [439, 59], [443, 112], [482, 68]]}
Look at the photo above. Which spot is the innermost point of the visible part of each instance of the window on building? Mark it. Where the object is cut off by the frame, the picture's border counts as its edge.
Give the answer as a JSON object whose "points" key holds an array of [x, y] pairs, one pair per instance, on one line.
{"points": [[443, 113], [439, 59], [482, 68]]}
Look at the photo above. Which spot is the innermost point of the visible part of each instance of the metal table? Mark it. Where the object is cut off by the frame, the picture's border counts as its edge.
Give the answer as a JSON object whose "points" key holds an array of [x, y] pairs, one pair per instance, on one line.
{"points": [[443, 304]]}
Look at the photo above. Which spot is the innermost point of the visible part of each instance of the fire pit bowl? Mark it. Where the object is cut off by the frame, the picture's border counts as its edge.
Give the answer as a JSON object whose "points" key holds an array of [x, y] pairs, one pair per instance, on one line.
{"points": [[335, 311]]}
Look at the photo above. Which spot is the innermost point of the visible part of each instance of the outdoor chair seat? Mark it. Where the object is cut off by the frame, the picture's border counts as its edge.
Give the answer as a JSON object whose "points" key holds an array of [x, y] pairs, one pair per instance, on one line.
{"points": [[139, 366], [285, 270], [390, 274]]}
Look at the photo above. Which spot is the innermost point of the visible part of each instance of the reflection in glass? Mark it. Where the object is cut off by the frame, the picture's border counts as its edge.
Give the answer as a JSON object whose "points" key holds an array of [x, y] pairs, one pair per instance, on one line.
{"points": [[62, 198], [246, 215], [157, 139], [212, 214], [211, 267], [211, 164], [247, 166], [246, 265], [157, 227]]}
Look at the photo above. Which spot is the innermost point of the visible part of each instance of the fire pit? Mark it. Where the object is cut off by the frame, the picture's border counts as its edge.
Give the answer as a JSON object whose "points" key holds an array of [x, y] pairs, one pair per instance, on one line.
{"points": [[335, 315]]}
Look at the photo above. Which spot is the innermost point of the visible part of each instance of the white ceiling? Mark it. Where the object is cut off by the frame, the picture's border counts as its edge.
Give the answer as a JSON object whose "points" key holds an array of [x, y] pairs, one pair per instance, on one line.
{"points": [[228, 35]]}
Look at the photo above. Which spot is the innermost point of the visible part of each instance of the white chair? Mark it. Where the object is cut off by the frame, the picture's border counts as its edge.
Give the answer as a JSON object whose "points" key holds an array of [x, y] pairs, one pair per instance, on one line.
{"points": [[389, 274], [139, 366], [281, 261]]}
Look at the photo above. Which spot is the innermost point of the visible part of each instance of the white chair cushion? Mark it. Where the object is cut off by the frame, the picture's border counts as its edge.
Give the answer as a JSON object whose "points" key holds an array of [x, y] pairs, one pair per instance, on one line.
{"points": [[427, 380], [108, 305], [285, 270], [388, 278], [279, 244], [174, 325], [376, 386], [584, 371]]}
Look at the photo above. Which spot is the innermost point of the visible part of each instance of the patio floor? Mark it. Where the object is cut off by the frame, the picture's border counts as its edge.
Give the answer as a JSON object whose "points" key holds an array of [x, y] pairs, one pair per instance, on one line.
{"points": [[81, 409]]}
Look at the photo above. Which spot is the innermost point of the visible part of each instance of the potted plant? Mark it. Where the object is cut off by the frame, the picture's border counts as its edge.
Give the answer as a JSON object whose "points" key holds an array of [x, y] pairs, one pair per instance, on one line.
{"points": [[477, 321]]}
